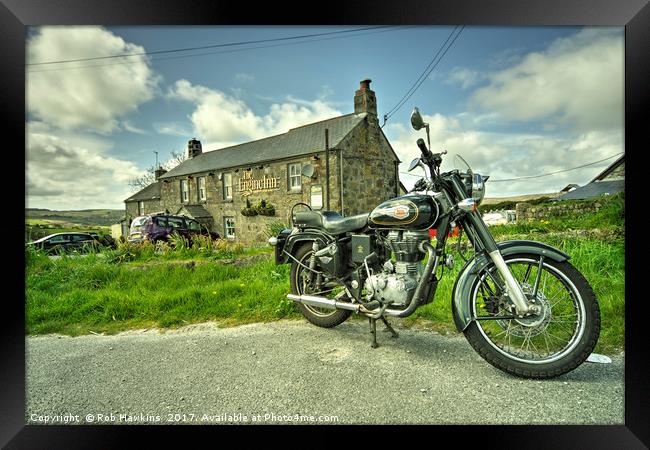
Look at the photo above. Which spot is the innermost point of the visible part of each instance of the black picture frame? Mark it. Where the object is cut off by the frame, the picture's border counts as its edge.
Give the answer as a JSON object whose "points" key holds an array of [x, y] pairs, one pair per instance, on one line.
{"points": [[634, 15]]}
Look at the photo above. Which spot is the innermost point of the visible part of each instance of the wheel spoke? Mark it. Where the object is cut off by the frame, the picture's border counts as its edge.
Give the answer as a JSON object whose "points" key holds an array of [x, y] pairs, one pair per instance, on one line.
{"points": [[542, 337]]}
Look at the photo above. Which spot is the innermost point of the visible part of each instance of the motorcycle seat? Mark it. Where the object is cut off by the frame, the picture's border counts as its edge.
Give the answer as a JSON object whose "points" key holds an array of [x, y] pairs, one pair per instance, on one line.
{"points": [[330, 221]]}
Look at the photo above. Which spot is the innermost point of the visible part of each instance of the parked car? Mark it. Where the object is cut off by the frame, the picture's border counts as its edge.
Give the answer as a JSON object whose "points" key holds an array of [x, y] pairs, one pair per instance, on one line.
{"points": [[66, 242], [160, 226]]}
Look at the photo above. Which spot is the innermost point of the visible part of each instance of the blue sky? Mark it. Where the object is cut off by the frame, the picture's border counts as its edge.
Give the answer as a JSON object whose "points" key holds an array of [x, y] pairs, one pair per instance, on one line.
{"points": [[513, 101]]}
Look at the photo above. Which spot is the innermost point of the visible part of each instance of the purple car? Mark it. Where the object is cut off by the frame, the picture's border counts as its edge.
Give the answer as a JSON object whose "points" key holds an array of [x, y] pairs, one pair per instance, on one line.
{"points": [[158, 227]]}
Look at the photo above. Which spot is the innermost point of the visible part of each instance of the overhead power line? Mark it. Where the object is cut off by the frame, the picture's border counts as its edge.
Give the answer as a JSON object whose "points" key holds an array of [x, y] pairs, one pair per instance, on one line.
{"points": [[427, 71], [557, 171], [537, 176], [229, 44], [164, 58]]}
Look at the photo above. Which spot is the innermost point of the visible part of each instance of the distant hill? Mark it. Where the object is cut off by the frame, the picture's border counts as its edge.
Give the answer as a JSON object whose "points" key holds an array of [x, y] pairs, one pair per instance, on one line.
{"points": [[97, 217], [517, 198]]}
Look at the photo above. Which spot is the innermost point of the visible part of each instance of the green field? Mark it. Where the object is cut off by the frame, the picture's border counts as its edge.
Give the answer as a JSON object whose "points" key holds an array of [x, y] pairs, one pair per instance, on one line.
{"points": [[42, 222], [137, 286]]}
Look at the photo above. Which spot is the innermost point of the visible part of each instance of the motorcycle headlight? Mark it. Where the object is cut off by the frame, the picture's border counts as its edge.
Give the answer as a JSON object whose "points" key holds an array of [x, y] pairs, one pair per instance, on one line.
{"points": [[478, 187], [475, 186]]}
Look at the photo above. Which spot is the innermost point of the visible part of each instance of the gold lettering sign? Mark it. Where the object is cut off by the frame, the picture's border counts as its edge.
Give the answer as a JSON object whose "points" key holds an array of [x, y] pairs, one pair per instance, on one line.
{"points": [[248, 184]]}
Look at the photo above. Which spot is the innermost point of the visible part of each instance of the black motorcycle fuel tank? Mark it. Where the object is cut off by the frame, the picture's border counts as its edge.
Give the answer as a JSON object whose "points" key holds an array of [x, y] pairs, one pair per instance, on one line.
{"points": [[413, 211]]}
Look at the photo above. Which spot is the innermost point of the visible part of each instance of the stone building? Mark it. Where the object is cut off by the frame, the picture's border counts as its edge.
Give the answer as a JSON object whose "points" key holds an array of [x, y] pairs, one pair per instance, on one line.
{"points": [[608, 182], [145, 201], [214, 187]]}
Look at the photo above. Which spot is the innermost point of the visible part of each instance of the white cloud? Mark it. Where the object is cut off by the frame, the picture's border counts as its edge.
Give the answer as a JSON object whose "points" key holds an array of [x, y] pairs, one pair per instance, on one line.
{"points": [[85, 98], [220, 120], [507, 155], [172, 129], [577, 81], [128, 126], [71, 173], [465, 77]]}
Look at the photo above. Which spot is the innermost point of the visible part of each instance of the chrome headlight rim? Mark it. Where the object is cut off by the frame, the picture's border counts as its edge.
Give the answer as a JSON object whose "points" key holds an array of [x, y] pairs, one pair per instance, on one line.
{"points": [[478, 188]]}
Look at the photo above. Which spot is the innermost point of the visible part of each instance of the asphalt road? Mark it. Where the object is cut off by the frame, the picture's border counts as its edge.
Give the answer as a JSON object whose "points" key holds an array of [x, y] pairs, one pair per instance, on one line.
{"points": [[291, 371]]}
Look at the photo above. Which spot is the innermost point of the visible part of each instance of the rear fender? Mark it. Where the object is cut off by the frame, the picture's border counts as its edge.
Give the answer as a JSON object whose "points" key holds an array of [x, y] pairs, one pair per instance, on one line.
{"points": [[461, 293]]}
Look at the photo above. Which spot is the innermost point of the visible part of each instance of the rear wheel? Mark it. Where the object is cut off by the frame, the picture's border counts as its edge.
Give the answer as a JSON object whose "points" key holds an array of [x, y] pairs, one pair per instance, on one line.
{"points": [[553, 342], [305, 282]]}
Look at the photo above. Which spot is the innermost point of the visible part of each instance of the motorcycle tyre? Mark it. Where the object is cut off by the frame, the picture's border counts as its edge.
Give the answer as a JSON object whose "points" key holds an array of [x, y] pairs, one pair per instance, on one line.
{"points": [[556, 368], [336, 318]]}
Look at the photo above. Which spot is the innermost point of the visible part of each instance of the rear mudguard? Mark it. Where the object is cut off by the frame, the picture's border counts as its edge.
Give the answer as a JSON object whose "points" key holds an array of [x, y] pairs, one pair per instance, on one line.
{"points": [[461, 293], [294, 241]]}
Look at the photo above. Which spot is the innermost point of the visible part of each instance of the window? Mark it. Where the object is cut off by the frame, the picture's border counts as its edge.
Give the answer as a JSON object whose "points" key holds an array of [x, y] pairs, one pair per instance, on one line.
{"points": [[294, 176], [60, 239], [193, 225], [161, 221], [176, 222], [140, 207], [230, 227], [227, 186], [80, 237], [185, 192], [201, 188]]}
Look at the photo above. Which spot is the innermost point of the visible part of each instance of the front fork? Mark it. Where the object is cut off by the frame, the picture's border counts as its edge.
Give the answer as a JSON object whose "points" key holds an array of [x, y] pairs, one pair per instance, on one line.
{"points": [[512, 287]]}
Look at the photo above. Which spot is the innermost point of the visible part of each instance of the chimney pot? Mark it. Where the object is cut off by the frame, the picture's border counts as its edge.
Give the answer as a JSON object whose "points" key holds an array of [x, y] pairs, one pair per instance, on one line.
{"points": [[364, 99]]}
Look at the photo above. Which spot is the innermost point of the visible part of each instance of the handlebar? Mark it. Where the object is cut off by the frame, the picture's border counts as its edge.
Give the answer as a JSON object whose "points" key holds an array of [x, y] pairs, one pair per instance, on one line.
{"points": [[423, 148]]}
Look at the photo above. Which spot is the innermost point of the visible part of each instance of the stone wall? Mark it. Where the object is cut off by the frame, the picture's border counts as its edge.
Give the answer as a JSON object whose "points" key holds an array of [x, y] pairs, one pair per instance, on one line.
{"points": [[252, 229], [369, 169], [526, 211]]}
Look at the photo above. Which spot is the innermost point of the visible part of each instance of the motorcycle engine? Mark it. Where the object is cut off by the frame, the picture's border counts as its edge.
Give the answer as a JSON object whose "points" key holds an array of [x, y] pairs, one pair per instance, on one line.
{"points": [[395, 284]]}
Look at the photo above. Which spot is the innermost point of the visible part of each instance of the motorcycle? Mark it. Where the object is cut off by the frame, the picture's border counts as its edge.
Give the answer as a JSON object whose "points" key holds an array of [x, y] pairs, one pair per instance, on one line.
{"points": [[521, 305]]}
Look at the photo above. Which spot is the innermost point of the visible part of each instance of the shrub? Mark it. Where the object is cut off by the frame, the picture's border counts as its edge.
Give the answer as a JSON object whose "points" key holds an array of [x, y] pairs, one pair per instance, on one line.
{"points": [[248, 210], [273, 228], [178, 242], [264, 209]]}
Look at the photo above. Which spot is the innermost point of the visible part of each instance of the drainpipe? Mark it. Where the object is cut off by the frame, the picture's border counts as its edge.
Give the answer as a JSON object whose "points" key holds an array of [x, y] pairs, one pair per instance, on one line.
{"points": [[341, 181], [327, 166]]}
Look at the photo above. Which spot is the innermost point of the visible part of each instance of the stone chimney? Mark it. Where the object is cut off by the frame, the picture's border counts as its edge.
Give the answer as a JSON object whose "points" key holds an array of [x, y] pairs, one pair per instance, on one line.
{"points": [[364, 99], [194, 148], [159, 172]]}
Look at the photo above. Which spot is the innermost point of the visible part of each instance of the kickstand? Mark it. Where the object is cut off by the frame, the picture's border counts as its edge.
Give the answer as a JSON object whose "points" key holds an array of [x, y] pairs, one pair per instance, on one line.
{"points": [[389, 328], [373, 331]]}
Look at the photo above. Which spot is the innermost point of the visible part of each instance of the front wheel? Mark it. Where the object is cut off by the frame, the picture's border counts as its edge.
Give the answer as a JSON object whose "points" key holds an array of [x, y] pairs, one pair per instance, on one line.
{"points": [[552, 342]]}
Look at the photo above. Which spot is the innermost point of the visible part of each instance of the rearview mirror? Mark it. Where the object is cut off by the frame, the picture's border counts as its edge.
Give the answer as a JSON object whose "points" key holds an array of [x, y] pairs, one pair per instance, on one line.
{"points": [[416, 162], [416, 120]]}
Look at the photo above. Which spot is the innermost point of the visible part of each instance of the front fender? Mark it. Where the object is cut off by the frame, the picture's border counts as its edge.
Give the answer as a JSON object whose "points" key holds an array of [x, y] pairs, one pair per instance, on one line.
{"points": [[461, 293]]}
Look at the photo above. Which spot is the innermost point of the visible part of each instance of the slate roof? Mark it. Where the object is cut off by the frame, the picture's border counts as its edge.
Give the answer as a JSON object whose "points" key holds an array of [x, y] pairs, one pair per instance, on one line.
{"points": [[151, 192], [196, 211], [595, 189], [297, 141]]}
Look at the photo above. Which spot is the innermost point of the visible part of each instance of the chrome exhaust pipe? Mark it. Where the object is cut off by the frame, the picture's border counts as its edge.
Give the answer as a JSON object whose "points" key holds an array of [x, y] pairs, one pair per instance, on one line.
{"points": [[322, 302]]}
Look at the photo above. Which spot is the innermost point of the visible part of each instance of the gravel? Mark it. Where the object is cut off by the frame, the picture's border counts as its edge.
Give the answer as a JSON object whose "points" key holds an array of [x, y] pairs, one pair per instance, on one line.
{"points": [[294, 372]]}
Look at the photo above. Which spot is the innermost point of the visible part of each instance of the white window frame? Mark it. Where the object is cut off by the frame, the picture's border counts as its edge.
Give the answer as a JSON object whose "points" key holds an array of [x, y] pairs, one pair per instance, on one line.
{"points": [[294, 171], [185, 193], [140, 208], [227, 186], [229, 227], [201, 189]]}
